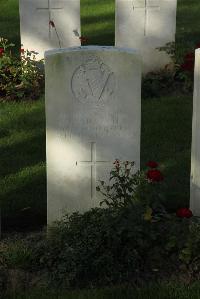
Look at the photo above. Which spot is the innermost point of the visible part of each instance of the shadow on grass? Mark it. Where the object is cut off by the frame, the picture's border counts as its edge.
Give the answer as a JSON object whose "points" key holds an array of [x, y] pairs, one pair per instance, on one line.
{"points": [[21, 154], [108, 40], [98, 19], [166, 138], [188, 25], [24, 201], [23, 170], [23, 141], [9, 22], [99, 27]]}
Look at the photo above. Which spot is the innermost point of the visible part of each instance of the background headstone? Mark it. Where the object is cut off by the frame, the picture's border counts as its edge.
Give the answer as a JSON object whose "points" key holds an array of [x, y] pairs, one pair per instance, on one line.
{"points": [[93, 116], [195, 157], [36, 32], [146, 25]]}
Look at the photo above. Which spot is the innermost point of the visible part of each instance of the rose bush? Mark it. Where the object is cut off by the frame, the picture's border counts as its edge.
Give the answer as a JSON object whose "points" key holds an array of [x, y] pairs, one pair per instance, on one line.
{"points": [[128, 187], [21, 77], [131, 240], [176, 76]]}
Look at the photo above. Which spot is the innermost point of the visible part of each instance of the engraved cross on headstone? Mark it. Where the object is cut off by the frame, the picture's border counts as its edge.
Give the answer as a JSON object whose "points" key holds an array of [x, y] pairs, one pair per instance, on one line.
{"points": [[49, 9], [93, 162], [146, 7]]}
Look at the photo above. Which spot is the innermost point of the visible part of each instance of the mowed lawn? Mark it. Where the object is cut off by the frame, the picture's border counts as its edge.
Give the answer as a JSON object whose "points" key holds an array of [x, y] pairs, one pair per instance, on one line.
{"points": [[166, 121]]}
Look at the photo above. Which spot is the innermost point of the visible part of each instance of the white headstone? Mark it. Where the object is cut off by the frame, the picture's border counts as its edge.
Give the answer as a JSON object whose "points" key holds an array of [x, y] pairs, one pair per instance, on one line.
{"points": [[195, 157], [146, 25], [37, 34], [93, 115]]}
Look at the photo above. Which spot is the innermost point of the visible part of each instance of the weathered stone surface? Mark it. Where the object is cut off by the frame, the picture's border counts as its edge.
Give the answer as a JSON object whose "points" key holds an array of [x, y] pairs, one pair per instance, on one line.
{"points": [[195, 157], [146, 25], [93, 103], [36, 32]]}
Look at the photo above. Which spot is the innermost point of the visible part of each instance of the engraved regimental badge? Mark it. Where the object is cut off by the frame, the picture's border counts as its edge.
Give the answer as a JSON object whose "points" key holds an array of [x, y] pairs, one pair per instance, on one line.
{"points": [[93, 82]]}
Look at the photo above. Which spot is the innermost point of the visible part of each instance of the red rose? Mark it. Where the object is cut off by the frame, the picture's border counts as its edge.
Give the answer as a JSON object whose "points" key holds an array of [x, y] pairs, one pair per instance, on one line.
{"points": [[22, 51], [188, 64], [152, 164], [184, 213], [52, 24], [155, 175], [1, 52]]}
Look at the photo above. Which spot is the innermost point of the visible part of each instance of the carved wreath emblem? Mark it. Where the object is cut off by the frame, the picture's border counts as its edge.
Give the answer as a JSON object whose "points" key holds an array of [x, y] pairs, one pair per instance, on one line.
{"points": [[93, 82]]}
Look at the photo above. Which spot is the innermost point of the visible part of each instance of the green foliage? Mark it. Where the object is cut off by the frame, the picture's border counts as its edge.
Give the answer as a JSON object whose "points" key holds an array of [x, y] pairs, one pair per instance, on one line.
{"points": [[15, 255], [20, 77], [124, 184], [158, 83], [105, 247], [116, 245], [87, 249], [190, 255], [128, 187]]}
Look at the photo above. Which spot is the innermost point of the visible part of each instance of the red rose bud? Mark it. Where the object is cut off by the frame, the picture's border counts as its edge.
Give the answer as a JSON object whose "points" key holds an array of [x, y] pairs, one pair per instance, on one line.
{"points": [[155, 175], [52, 24], [1, 52], [22, 51], [197, 46], [189, 56], [184, 213], [116, 162], [188, 66], [83, 39], [152, 164]]}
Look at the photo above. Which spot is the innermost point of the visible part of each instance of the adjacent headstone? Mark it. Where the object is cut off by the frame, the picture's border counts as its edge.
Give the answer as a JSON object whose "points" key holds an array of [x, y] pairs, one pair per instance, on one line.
{"points": [[146, 25], [38, 34], [195, 157], [93, 115]]}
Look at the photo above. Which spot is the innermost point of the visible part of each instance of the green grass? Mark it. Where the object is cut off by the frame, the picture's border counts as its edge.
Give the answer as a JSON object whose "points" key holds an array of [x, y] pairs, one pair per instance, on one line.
{"points": [[22, 161], [9, 21], [166, 138], [98, 21], [166, 122], [188, 25], [170, 291]]}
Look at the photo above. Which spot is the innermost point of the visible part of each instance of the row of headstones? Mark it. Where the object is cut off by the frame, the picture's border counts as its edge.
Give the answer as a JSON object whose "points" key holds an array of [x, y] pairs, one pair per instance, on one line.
{"points": [[140, 24], [93, 112], [93, 94]]}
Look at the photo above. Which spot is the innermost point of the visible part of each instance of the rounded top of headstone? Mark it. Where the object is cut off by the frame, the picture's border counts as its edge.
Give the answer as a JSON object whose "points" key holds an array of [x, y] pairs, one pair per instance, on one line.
{"points": [[91, 48]]}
